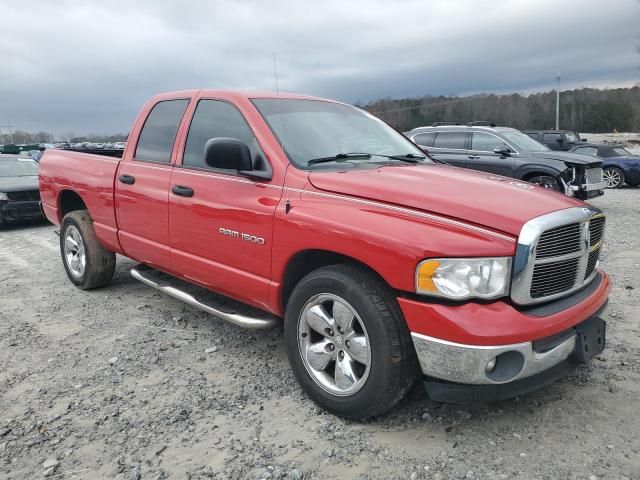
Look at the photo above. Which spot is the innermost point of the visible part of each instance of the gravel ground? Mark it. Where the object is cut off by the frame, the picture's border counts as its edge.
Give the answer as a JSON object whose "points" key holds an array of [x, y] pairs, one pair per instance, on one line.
{"points": [[125, 383]]}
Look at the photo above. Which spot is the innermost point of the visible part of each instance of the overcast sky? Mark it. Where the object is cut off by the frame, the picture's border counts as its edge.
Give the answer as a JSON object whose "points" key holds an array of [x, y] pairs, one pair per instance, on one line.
{"points": [[69, 66]]}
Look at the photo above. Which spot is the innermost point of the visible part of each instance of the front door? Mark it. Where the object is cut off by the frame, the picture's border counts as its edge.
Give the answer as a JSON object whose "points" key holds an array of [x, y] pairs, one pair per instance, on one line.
{"points": [[220, 222], [142, 185], [482, 156]]}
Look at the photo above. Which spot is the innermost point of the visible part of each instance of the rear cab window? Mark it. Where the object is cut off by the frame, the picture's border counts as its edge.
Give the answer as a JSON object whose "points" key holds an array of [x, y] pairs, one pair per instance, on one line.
{"points": [[551, 137], [159, 131]]}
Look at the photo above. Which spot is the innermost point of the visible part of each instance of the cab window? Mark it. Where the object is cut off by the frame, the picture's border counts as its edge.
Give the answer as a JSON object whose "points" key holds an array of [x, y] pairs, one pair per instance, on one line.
{"points": [[214, 119], [159, 131]]}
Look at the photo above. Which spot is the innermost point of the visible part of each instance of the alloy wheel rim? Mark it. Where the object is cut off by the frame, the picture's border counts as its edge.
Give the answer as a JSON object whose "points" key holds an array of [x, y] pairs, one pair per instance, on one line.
{"points": [[74, 252], [334, 344], [612, 178]]}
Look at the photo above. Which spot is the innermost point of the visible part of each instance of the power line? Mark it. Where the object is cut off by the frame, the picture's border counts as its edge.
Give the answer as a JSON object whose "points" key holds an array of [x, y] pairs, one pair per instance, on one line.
{"points": [[427, 105]]}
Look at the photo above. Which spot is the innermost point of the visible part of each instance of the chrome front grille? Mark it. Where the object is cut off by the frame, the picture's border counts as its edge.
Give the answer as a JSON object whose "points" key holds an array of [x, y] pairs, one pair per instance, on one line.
{"points": [[557, 254], [559, 241], [551, 278]]}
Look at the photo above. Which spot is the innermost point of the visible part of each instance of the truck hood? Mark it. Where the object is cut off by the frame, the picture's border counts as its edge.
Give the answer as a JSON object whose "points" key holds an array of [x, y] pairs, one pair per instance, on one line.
{"points": [[479, 198], [567, 157], [18, 184]]}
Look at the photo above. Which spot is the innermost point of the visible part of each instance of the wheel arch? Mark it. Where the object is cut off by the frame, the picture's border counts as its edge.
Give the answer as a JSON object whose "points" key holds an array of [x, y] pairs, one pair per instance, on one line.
{"points": [[529, 172], [69, 201], [306, 261]]}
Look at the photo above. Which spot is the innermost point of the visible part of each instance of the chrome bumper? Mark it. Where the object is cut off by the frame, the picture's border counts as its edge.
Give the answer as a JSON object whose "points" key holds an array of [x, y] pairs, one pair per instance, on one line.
{"points": [[467, 364]]}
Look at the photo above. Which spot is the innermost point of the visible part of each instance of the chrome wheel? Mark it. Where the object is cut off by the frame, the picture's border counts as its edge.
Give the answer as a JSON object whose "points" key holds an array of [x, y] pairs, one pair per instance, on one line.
{"points": [[74, 253], [612, 178], [334, 344]]}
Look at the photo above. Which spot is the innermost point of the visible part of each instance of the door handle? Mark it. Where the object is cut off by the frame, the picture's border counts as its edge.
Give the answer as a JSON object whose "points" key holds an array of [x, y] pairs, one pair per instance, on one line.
{"points": [[128, 179], [182, 191], [473, 157]]}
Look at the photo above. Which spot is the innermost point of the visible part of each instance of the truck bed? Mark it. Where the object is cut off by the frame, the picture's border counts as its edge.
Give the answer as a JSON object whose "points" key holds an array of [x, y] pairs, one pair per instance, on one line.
{"points": [[89, 176]]}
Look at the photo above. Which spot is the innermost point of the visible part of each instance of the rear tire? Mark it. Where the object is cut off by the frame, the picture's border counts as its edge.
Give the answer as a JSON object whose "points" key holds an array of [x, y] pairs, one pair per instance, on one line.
{"points": [[613, 177], [87, 263], [364, 334]]}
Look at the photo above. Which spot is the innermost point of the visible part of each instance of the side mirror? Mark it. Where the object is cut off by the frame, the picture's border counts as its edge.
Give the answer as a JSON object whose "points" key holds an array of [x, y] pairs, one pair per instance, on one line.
{"points": [[583, 139], [227, 153], [504, 151]]}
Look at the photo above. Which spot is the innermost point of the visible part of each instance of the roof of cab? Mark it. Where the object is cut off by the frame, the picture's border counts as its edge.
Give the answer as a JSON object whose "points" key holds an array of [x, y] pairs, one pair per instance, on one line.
{"points": [[236, 94]]}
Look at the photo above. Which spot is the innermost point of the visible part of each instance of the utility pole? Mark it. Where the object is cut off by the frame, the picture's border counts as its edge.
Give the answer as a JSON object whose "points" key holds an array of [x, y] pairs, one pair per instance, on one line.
{"points": [[558, 102]]}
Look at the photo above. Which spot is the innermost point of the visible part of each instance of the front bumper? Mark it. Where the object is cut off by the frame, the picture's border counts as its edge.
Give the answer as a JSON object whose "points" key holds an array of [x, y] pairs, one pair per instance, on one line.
{"points": [[13, 211], [456, 343]]}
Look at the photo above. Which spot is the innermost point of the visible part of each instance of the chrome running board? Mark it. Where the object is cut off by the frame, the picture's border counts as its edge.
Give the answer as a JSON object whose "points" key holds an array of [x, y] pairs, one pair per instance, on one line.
{"points": [[208, 301]]}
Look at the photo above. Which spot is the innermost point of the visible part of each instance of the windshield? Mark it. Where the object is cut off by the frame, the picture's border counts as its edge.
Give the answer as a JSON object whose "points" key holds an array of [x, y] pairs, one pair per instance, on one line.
{"points": [[572, 136], [18, 167], [523, 143], [314, 129], [622, 152]]}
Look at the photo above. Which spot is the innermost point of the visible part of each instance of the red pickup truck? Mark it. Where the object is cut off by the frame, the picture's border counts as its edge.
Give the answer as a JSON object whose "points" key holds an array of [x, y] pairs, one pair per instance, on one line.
{"points": [[385, 266]]}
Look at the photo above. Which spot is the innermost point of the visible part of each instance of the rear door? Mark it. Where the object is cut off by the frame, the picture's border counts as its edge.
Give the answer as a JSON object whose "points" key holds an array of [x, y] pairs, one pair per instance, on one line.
{"points": [[142, 186], [450, 147], [482, 156], [220, 222]]}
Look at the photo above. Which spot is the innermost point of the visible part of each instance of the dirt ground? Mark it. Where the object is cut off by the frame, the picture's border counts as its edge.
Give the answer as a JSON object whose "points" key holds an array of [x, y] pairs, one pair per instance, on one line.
{"points": [[123, 382]]}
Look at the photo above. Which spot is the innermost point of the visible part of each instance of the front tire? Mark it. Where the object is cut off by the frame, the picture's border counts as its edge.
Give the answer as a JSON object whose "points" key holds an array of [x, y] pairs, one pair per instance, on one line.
{"points": [[87, 263], [546, 181], [347, 342], [613, 177]]}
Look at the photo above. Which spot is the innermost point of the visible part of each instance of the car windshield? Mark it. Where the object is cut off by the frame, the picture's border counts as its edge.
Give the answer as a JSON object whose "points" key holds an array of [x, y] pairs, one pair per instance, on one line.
{"points": [[622, 152], [18, 167], [572, 136], [523, 143], [315, 129]]}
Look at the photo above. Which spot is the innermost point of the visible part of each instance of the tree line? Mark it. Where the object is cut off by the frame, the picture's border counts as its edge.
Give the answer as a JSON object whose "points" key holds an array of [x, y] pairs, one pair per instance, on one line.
{"points": [[585, 110], [20, 137]]}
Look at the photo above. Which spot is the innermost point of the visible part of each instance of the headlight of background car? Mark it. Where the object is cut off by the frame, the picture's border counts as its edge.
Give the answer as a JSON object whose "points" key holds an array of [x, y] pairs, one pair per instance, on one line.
{"points": [[3, 196], [462, 278]]}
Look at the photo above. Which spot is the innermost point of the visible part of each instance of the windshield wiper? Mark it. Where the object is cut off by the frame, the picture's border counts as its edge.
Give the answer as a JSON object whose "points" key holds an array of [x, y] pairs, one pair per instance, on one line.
{"points": [[409, 157], [341, 157]]}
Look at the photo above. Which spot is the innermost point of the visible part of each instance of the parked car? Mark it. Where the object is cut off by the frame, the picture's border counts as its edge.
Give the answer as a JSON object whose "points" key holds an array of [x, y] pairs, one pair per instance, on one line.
{"points": [[556, 139], [386, 266], [619, 166], [120, 145], [509, 152], [19, 195]]}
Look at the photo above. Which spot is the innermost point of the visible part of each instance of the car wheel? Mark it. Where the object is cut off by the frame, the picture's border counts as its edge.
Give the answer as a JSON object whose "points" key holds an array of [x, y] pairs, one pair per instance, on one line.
{"points": [[613, 177], [87, 263], [546, 181], [348, 343]]}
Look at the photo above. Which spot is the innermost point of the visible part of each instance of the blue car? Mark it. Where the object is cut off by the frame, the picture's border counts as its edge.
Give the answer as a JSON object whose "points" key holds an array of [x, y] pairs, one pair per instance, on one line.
{"points": [[619, 166]]}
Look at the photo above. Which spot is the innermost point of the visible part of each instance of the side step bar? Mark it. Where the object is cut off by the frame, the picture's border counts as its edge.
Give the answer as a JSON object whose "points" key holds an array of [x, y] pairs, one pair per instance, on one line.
{"points": [[256, 320]]}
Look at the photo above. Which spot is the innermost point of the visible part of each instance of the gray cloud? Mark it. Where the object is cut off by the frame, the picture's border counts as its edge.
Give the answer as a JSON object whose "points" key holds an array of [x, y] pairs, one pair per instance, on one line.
{"points": [[88, 66]]}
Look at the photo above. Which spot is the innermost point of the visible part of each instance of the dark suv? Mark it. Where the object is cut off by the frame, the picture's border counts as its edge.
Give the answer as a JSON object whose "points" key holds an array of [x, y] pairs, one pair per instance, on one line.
{"points": [[556, 139], [509, 152]]}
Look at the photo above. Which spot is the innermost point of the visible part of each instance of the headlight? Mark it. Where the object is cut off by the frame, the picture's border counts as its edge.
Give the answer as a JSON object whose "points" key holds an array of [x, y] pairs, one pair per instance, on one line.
{"points": [[462, 278], [3, 196]]}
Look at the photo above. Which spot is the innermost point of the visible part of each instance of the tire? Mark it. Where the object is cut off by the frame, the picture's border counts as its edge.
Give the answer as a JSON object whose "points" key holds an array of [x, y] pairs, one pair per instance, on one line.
{"points": [[91, 265], [384, 369], [546, 181], [613, 177]]}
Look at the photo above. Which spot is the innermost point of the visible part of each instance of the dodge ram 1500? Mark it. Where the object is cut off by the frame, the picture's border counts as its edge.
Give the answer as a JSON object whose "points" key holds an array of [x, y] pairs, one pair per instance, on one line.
{"points": [[383, 266]]}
